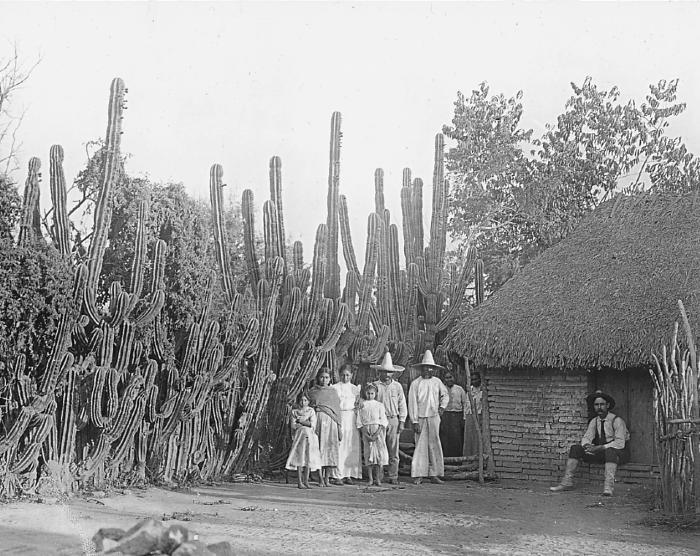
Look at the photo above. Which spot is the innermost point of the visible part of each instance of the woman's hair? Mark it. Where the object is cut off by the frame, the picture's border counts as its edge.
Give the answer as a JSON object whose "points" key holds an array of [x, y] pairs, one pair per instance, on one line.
{"points": [[323, 370], [346, 366], [369, 386]]}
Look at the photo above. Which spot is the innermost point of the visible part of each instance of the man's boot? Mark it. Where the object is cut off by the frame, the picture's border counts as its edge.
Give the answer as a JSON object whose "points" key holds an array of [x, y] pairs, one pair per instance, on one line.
{"points": [[567, 482], [609, 484]]}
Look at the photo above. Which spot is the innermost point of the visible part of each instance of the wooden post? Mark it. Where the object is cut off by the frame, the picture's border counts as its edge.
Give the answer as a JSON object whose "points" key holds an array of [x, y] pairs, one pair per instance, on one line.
{"points": [[475, 418], [695, 409]]}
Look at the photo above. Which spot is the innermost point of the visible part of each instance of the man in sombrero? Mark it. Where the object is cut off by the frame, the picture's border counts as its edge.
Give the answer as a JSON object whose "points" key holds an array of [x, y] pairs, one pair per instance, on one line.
{"points": [[605, 441], [427, 399], [390, 393]]}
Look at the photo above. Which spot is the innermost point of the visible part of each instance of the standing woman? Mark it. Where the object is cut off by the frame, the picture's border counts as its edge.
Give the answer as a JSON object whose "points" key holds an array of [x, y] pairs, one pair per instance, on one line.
{"points": [[326, 402], [349, 454]]}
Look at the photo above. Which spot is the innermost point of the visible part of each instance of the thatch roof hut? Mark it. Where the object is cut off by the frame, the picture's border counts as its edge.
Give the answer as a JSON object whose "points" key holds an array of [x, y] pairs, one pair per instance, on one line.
{"points": [[605, 296], [598, 303]]}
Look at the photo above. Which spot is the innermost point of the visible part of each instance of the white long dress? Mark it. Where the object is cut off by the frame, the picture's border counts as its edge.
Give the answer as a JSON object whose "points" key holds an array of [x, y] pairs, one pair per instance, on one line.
{"points": [[349, 449]]}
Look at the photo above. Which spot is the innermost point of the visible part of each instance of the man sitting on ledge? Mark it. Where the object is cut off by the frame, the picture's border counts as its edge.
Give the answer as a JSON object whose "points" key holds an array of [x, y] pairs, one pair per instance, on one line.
{"points": [[605, 441]]}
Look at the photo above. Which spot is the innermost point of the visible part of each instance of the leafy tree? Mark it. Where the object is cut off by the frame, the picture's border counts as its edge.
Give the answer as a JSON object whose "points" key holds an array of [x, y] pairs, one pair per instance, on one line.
{"points": [[185, 225], [514, 196], [36, 290], [10, 208]]}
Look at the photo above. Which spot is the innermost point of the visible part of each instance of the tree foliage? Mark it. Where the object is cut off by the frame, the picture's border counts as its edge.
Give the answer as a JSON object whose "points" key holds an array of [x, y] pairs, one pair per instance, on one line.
{"points": [[36, 290], [515, 195], [185, 225]]}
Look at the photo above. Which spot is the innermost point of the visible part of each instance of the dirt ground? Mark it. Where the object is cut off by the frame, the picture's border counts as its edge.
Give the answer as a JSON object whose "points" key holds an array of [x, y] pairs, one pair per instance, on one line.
{"points": [[276, 518]]}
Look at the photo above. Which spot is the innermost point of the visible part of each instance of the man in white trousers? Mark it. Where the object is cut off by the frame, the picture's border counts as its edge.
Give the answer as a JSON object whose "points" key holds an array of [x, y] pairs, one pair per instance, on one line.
{"points": [[427, 399]]}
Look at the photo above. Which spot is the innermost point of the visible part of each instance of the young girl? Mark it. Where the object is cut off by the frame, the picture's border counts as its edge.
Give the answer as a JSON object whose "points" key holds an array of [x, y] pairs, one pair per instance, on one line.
{"points": [[372, 421], [304, 454]]}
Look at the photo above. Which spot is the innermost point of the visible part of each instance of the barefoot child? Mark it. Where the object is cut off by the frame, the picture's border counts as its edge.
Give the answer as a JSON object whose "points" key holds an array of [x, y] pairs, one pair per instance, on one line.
{"points": [[304, 454], [372, 422]]}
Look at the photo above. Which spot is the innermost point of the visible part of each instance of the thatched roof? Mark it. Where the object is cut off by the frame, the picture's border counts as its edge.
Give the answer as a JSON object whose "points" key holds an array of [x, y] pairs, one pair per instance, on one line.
{"points": [[605, 296]]}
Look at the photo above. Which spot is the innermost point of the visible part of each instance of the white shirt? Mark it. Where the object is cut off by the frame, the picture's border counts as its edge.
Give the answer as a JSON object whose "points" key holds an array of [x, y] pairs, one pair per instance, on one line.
{"points": [[393, 398], [349, 394], [425, 397], [615, 432]]}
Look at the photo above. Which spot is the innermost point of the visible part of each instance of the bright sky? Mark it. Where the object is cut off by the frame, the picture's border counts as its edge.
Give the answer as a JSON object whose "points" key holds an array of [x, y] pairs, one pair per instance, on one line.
{"points": [[236, 83]]}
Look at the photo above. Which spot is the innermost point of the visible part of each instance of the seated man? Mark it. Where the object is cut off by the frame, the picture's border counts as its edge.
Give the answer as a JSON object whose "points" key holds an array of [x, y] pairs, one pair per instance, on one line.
{"points": [[605, 441]]}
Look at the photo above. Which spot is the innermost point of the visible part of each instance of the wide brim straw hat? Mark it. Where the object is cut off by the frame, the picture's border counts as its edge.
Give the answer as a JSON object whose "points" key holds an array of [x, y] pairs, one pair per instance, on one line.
{"points": [[428, 362], [387, 365], [600, 394]]}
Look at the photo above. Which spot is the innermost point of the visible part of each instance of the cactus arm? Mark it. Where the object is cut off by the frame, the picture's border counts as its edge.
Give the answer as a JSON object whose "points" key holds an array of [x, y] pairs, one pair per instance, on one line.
{"points": [[215, 186], [379, 191], [30, 455], [346, 237], [417, 202], [137, 266], [68, 417], [30, 222], [276, 198], [332, 285], [58, 200], [126, 345], [270, 231], [457, 298], [111, 164], [96, 394], [396, 302], [251, 257], [152, 309]]}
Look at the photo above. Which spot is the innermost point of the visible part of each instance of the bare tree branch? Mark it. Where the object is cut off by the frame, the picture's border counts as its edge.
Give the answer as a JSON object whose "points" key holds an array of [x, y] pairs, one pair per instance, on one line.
{"points": [[13, 75]]}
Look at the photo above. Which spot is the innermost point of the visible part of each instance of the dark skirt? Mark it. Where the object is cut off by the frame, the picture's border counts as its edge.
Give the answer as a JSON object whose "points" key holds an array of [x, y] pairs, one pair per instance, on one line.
{"points": [[452, 433], [471, 437]]}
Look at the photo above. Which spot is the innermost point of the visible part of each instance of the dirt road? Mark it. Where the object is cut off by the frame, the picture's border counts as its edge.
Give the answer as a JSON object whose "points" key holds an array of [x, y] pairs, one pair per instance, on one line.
{"points": [[274, 518]]}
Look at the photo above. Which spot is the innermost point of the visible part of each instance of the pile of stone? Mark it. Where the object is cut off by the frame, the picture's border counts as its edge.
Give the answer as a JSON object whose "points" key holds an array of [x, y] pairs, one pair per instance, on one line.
{"points": [[153, 537]]}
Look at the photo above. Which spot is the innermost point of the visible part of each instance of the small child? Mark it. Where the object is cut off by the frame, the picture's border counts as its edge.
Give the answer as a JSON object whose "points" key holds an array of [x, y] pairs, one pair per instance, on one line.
{"points": [[372, 420], [304, 454]]}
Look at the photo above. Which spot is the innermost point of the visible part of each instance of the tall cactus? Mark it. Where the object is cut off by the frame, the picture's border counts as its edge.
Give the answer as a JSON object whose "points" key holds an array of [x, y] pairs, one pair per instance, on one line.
{"points": [[332, 288], [111, 168], [61, 231], [30, 223]]}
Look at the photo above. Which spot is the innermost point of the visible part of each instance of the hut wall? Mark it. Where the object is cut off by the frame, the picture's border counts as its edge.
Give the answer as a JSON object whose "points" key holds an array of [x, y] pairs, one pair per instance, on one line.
{"points": [[536, 414]]}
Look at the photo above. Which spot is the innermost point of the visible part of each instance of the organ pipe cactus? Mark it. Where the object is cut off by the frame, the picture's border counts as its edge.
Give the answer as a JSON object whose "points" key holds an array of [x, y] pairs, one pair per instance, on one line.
{"points": [[61, 231], [332, 287], [418, 304], [30, 222]]}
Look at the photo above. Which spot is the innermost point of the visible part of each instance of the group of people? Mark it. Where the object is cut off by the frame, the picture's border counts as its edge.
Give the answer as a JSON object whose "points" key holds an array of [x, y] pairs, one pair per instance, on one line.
{"points": [[338, 427]]}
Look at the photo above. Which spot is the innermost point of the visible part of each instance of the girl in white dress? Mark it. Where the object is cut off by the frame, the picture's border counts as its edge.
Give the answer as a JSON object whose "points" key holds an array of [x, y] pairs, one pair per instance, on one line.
{"points": [[304, 454], [372, 420], [349, 451]]}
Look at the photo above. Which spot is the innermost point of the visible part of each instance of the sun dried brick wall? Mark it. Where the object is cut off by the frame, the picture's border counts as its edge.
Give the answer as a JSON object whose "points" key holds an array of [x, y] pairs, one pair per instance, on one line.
{"points": [[536, 415]]}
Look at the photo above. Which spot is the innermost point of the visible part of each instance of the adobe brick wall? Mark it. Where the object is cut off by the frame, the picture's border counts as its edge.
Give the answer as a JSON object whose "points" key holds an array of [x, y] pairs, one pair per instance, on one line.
{"points": [[535, 417]]}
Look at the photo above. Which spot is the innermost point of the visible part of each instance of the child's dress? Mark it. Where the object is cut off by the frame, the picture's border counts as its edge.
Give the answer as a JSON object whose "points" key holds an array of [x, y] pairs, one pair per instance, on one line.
{"points": [[304, 451], [372, 415]]}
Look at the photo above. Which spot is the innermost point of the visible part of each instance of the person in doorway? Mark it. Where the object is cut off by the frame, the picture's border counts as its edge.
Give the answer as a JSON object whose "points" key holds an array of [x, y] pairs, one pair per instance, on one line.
{"points": [[452, 421], [390, 393], [326, 403], [349, 451], [605, 441], [427, 399], [471, 435]]}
